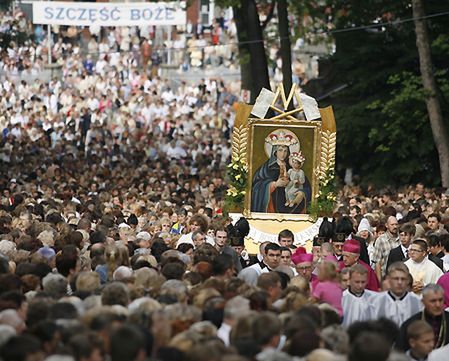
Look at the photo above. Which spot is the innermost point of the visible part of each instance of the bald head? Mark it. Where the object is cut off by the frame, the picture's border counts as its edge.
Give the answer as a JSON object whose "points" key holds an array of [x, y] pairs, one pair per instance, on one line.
{"points": [[392, 225]]}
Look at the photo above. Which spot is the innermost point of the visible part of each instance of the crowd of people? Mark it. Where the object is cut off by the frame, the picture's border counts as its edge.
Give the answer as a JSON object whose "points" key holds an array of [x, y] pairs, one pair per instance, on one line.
{"points": [[114, 243], [85, 277], [188, 46]]}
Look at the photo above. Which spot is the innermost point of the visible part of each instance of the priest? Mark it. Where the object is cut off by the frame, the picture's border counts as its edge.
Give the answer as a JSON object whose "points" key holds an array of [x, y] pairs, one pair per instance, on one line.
{"points": [[421, 268], [337, 243], [345, 228], [304, 266], [351, 257]]}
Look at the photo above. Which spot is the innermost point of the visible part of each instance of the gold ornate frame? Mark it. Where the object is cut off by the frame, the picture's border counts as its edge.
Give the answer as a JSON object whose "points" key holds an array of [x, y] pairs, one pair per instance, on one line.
{"points": [[324, 143]]}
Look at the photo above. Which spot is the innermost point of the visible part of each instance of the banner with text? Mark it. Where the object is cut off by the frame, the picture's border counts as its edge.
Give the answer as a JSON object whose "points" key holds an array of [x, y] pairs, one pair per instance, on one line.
{"points": [[107, 14]]}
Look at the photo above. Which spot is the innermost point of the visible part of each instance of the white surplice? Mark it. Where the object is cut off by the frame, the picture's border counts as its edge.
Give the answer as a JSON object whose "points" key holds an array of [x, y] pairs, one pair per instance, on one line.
{"points": [[426, 271], [358, 308], [397, 309]]}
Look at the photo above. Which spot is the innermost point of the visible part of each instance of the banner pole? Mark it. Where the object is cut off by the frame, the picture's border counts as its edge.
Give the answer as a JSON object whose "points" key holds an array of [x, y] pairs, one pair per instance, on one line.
{"points": [[170, 44], [49, 43]]}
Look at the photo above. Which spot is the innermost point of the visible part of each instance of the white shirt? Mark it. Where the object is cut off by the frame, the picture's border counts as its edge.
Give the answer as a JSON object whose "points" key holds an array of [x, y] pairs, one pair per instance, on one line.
{"points": [[411, 358], [251, 274], [446, 262], [440, 354], [404, 251], [223, 333], [176, 152]]}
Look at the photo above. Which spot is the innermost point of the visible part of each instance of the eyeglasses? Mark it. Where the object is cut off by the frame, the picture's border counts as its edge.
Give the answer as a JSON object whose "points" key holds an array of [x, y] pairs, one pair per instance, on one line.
{"points": [[306, 268], [415, 250]]}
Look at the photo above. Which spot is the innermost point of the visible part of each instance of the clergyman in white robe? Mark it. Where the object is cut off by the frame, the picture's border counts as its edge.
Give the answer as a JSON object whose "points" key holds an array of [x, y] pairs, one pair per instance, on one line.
{"points": [[426, 271]]}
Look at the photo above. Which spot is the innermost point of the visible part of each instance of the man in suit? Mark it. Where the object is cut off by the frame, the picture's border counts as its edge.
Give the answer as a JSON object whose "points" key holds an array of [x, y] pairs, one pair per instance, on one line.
{"points": [[221, 245], [433, 241], [400, 253]]}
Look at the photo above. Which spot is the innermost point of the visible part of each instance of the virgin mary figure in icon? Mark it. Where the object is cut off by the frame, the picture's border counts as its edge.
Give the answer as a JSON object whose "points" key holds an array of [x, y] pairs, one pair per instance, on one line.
{"points": [[280, 184]]}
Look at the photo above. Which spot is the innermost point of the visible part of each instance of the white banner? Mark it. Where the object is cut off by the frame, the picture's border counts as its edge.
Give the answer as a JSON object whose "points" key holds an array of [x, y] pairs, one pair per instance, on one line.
{"points": [[107, 14], [301, 237]]}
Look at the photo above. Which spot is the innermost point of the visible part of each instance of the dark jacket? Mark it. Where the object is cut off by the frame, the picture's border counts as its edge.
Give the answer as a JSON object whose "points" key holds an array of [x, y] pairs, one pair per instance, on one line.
{"points": [[363, 249], [402, 342], [249, 262], [396, 255], [437, 260]]}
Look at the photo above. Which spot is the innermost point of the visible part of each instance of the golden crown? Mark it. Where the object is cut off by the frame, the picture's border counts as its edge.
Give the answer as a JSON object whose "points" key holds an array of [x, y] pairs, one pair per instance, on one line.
{"points": [[281, 139]]}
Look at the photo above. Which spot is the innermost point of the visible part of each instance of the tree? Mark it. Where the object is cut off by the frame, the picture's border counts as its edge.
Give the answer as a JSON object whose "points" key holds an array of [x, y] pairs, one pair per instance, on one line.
{"points": [[5, 4], [253, 60], [432, 102], [286, 52], [383, 130]]}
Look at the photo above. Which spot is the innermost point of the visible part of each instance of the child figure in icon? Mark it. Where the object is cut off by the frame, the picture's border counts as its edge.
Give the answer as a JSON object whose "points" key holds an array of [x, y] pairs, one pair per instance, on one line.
{"points": [[294, 193]]}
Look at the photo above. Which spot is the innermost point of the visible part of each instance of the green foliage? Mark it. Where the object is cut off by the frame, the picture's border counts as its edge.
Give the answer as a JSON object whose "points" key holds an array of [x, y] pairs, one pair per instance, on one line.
{"points": [[237, 173], [227, 3], [383, 131], [327, 195], [312, 31], [403, 130], [5, 4], [244, 56]]}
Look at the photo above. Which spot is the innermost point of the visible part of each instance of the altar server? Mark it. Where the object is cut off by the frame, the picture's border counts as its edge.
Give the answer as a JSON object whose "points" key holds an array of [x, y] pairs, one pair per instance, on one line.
{"points": [[397, 304], [358, 302]]}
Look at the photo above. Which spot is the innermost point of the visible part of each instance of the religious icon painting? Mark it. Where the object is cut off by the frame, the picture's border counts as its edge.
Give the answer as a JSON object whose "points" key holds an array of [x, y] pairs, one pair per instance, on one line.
{"points": [[285, 146], [282, 163]]}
